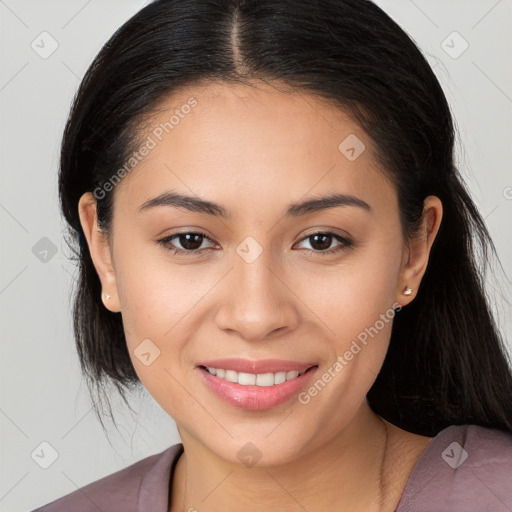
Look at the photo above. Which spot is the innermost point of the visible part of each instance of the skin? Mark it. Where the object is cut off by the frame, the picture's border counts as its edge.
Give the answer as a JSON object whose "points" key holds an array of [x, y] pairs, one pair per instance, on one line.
{"points": [[238, 148]]}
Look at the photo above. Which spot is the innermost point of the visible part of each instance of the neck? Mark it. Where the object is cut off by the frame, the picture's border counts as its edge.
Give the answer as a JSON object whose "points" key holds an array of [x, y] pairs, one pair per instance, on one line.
{"points": [[346, 472]]}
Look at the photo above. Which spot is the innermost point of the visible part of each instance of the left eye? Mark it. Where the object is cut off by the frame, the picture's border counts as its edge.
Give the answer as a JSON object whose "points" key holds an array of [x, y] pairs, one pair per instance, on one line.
{"points": [[192, 241], [325, 240]]}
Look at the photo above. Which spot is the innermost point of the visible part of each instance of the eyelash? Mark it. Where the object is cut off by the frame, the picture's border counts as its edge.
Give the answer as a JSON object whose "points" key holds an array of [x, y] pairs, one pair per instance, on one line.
{"points": [[165, 242]]}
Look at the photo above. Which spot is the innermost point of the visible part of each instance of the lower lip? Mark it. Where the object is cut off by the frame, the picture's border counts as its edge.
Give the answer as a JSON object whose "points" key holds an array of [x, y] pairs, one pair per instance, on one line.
{"points": [[256, 398]]}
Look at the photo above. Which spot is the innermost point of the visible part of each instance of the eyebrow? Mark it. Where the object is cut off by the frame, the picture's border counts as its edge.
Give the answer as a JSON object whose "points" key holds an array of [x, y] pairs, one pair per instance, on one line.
{"points": [[195, 204]]}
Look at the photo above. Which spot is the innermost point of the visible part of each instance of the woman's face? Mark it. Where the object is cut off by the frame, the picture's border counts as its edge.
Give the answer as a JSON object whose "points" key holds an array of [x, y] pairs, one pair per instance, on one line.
{"points": [[258, 285]]}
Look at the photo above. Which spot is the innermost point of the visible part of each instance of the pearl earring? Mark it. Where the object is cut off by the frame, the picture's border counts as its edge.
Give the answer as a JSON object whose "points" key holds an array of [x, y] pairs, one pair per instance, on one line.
{"points": [[107, 297], [408, 291]]}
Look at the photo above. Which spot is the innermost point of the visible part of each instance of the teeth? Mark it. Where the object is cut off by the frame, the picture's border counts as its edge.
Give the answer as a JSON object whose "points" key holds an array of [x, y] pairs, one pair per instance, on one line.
{"points": [[251, 379]]}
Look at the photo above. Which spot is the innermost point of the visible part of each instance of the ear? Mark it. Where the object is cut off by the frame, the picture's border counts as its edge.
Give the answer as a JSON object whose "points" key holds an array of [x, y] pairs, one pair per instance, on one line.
{"points": [[416, 254], [100, 251]]}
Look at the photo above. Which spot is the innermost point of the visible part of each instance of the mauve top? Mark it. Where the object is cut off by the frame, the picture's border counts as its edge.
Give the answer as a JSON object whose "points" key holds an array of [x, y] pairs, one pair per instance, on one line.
{"points": [[464, 468]]}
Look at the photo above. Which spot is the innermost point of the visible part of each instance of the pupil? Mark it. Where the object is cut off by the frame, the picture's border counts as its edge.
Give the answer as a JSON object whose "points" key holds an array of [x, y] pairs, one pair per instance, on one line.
{"points": [[324, 245], [188, 237]]}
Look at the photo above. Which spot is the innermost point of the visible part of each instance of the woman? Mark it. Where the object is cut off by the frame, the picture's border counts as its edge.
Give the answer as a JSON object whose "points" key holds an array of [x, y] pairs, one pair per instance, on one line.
{"points": [[274, 241]]}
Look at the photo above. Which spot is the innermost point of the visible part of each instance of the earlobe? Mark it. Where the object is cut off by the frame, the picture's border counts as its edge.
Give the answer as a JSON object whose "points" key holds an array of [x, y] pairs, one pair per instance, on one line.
{"points": [[100, 251], [418, 250]]}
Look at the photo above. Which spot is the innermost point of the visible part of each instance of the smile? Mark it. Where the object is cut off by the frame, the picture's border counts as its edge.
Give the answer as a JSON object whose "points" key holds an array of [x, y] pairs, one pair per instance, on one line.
{"points": [[252, 379], [256, 391]]}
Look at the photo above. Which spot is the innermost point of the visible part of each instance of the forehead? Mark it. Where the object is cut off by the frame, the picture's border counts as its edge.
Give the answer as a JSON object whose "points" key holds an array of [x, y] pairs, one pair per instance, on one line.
{"points": [[232, 142]]}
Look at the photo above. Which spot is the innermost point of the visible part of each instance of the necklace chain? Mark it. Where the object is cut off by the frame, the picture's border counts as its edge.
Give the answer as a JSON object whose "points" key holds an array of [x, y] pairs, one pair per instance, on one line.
{"points": [[382, 466], [185, 489]]}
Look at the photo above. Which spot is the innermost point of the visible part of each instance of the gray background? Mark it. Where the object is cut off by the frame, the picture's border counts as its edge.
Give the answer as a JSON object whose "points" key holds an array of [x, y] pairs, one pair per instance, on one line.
{"points": [[43, 398]]}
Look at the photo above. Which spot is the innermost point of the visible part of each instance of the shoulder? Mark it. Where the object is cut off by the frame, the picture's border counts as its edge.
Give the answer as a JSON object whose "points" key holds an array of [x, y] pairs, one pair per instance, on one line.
{"points": [[143, 485], [464, 467]]}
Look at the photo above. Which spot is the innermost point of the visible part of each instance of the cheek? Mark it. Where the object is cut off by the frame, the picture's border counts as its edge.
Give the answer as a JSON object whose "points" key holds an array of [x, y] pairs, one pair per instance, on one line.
{"points": [[350, 297], [153, 302], [353, 304], [155, 293], [358, 338]]}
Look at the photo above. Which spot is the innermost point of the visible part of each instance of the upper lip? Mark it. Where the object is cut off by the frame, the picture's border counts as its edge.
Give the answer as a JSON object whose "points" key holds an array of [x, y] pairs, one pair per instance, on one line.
{"points": [[262, 366]]}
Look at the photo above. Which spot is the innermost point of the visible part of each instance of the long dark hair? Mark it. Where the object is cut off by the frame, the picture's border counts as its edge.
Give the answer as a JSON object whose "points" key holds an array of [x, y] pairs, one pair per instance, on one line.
{"points": [[447, 363]]}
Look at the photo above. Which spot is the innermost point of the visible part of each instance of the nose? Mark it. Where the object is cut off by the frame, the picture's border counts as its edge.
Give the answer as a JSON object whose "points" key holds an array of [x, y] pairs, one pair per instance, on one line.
{"points": [[258, 304]]}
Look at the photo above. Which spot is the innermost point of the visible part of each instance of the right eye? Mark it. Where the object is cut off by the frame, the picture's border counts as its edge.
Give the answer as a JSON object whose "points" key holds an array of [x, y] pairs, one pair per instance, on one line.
{"points": [[189, 240]]}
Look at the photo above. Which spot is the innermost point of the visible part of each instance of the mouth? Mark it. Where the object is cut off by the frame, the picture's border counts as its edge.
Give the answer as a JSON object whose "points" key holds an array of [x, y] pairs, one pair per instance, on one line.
{"points": [[273, 383]]}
